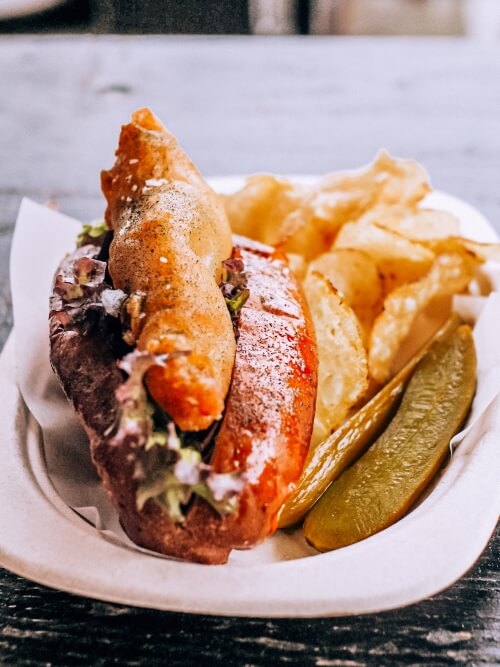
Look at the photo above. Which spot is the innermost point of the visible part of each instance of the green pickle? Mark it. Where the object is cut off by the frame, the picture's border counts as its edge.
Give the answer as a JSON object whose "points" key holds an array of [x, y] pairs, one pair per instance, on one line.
{"points": [[330, 458], [381, 486]]}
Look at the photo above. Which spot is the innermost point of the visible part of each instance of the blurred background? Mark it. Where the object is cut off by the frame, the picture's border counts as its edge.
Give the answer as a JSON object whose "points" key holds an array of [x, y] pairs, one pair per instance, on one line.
{"points": [[474, 18]]}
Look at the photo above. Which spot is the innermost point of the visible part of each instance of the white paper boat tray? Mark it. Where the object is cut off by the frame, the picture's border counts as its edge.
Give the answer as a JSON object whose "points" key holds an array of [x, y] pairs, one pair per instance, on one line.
{"points": [[43, 539]]}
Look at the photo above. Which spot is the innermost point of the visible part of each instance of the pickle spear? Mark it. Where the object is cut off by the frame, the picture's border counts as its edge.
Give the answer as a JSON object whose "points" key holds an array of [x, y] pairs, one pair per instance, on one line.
{"points": [[387, 480], [330, 458]]}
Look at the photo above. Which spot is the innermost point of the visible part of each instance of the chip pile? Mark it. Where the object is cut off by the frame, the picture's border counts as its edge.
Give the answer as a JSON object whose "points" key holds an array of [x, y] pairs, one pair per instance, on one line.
{"points": [[372, 261]]}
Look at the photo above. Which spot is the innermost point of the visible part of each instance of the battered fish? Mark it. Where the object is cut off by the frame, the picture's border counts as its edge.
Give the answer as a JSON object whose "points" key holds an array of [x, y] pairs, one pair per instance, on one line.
{"points": [[171, 236]]}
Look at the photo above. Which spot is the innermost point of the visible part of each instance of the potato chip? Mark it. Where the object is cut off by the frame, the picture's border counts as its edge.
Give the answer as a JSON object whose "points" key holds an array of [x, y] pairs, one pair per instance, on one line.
{"points": [[398, 259], [355, 275], [260, 207], [341, 197], [297, 264], [414, 224], [386, 181], [482, 252], [306, 218], [343, 367], [450, 274]]}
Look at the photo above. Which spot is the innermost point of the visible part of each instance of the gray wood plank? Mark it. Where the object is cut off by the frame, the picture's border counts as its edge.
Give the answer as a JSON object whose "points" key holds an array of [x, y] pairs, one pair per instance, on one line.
{"points": [[245, 104], [458, 627]]}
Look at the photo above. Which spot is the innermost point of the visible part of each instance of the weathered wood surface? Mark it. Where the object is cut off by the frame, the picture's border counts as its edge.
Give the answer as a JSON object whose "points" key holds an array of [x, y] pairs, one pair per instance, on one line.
{"points": [[45, 627], [240, 105]]}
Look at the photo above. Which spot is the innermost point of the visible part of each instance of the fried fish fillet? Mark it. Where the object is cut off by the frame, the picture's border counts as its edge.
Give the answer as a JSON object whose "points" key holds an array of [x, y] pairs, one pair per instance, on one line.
{"points": [[171, 235]]}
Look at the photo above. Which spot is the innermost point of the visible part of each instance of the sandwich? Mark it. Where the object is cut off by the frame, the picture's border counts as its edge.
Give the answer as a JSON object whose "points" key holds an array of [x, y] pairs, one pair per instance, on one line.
{"points": [[189, 355]]}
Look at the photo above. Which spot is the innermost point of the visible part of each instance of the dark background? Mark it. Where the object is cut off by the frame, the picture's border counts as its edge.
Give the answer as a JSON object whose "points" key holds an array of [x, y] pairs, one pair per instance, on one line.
{"points": [[471, 18], [138, 16], [430, 17]]}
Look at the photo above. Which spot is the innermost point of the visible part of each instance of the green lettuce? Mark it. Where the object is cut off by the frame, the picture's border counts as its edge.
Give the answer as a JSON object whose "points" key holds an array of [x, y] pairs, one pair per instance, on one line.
{"points": [[169, 472]]}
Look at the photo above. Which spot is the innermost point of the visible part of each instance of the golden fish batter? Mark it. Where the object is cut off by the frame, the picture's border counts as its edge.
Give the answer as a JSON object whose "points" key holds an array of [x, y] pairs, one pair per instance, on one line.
{"points": [[171, 236]]}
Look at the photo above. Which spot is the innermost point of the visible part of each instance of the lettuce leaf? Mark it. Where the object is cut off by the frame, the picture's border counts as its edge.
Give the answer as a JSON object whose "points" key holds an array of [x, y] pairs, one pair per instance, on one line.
{"points": [[168, 471], [93, 232]]}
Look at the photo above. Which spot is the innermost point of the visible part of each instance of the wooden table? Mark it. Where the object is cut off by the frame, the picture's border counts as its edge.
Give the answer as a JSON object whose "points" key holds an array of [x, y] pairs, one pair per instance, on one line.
{"points": [[297, 105]]}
